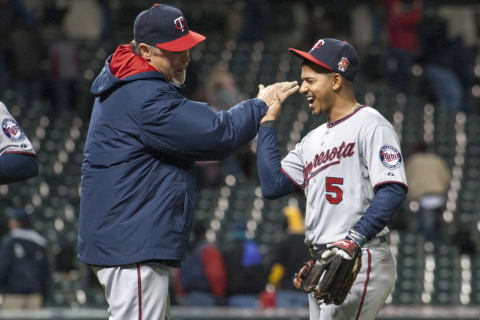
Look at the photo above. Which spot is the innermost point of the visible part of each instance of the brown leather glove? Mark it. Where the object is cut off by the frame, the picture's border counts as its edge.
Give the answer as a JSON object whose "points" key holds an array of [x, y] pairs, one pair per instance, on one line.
{"points": [[331, 276]]}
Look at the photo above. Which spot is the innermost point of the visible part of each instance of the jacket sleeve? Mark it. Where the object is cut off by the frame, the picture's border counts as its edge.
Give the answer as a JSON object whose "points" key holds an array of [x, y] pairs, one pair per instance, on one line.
{"points": [[192, 130], [17, 167]]}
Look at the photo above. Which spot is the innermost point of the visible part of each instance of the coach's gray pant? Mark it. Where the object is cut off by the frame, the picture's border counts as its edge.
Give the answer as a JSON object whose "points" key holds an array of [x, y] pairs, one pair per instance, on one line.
{"points": [[138, 291]]}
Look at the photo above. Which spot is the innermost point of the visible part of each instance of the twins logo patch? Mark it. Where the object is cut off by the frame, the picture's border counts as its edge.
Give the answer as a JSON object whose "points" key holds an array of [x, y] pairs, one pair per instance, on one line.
{"points": [[12, 130], [391, 157]]}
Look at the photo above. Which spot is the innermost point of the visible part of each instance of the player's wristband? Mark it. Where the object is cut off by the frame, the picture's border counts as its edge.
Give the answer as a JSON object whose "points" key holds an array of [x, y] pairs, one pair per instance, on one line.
{"points": [[356, 237], [269, 123]]}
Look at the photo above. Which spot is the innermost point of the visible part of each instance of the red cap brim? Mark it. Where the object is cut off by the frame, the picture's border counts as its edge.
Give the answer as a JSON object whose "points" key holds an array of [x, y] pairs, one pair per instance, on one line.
{"points": [[309, 57], [188, 41]]}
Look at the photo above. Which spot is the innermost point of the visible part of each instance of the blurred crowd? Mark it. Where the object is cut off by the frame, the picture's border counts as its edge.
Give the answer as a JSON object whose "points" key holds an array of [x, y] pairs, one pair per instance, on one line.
{"points": [[235, 274], [399, 39]]}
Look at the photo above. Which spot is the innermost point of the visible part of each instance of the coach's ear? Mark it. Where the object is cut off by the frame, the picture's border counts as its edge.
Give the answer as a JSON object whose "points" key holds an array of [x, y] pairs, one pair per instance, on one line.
{"points": [[145, 51], [336, 81]]}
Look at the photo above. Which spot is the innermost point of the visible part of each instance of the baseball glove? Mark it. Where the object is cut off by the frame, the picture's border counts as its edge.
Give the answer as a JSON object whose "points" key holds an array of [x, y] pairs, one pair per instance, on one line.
{"points": [[333, 272]]}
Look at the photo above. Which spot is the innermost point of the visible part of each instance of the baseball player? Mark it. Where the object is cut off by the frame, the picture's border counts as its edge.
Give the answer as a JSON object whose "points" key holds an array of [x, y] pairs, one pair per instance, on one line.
{"points": [[351, 171], [17, 158]]}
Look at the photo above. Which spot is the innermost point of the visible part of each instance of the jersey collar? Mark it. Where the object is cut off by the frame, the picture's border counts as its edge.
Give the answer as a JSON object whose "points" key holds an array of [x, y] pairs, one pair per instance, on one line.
{"points": [[333, 124]]}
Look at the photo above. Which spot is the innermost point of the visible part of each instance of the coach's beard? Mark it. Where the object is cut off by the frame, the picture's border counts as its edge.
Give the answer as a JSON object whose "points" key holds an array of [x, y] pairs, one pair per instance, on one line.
{"points": [[179, 77]]}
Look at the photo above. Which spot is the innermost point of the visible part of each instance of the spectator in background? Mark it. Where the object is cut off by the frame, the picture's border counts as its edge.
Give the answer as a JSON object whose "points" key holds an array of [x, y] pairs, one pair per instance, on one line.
{"points": [[12, 12], [449, 65], [318, 22], [202, 278], [221, 92], [290, 255], [89, 15], [65, 69], [106, 20], [24, 269], [221, 89], [25, 57], [254, 15], [6, 18], [246, 276], [403, 16], [428, 178]]}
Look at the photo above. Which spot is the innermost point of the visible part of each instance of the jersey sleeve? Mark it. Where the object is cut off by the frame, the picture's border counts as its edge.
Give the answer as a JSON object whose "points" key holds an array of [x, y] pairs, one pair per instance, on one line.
{"points": [[292, 165], [273, 181], [12, 136], [383, 157]]}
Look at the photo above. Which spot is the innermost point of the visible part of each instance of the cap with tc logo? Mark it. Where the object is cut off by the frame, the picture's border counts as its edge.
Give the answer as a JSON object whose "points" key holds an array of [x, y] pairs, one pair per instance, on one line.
{"points": [[165, 26], [332, 54]]}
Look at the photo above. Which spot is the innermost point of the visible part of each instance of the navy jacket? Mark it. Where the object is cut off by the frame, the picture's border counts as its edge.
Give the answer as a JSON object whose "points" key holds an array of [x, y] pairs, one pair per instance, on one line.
{"points": [[138, 189], [24, 267]]}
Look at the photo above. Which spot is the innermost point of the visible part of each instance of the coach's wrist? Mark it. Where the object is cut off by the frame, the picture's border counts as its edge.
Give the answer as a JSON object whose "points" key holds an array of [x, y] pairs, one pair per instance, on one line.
{"points": [[268, 123]]}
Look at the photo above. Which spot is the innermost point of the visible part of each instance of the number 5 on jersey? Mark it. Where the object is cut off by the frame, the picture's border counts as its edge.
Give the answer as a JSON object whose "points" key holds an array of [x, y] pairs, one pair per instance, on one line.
{"points": [[334, 194]]}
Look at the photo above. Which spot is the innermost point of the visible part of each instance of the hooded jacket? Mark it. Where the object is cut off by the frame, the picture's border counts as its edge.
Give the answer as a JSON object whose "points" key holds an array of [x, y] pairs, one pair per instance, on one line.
{"points": [[138, 188]]}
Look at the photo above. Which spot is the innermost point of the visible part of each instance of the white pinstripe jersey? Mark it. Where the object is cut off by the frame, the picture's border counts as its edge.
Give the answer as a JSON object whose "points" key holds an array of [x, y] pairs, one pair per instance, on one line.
{"points": [[338, 165], [12, 136]]}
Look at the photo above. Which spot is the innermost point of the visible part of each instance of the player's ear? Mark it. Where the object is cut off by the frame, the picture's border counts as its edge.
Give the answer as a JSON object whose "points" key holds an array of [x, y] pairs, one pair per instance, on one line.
{"points": [[336, 81]]}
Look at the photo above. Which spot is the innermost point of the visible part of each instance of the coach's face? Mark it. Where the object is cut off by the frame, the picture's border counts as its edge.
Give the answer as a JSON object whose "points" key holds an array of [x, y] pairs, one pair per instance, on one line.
{"points": [[317, 87], [173, 65]]}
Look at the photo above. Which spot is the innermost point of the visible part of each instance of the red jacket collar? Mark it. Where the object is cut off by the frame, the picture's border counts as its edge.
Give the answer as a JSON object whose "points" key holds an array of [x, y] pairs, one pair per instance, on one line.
{"points": [[125, 63]]}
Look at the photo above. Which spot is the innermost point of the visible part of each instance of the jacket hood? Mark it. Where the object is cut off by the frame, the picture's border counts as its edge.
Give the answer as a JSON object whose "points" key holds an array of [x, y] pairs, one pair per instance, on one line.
{"points": [[123, 66]]}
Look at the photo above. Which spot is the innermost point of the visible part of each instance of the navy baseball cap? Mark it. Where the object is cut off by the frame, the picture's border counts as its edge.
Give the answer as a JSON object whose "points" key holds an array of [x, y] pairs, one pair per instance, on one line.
{"points": [[332, 54], [165, 26], [19, 214]]}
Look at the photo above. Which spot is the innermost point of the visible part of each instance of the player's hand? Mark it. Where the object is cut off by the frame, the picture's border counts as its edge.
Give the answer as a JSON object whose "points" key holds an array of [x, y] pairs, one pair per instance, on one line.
{"points": [[274, 95], [277, 92]]}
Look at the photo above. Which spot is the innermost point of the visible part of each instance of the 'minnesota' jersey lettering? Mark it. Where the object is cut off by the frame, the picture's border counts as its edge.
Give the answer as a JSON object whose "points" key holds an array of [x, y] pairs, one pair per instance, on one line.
{"points": [[328, 158]]}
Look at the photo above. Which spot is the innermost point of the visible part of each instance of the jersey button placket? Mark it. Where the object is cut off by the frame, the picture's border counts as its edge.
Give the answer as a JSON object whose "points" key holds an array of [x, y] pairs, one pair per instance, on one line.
{"points": [[325, 136]]}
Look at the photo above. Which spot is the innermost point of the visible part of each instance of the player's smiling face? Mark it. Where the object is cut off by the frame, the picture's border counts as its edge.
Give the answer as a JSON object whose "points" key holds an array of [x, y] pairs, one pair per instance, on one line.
{"points": [[317, 87]]}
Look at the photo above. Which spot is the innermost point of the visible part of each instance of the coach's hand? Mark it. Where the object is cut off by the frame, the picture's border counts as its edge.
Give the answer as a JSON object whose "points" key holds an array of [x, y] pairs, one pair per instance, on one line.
{"points": [[274, 95]]}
